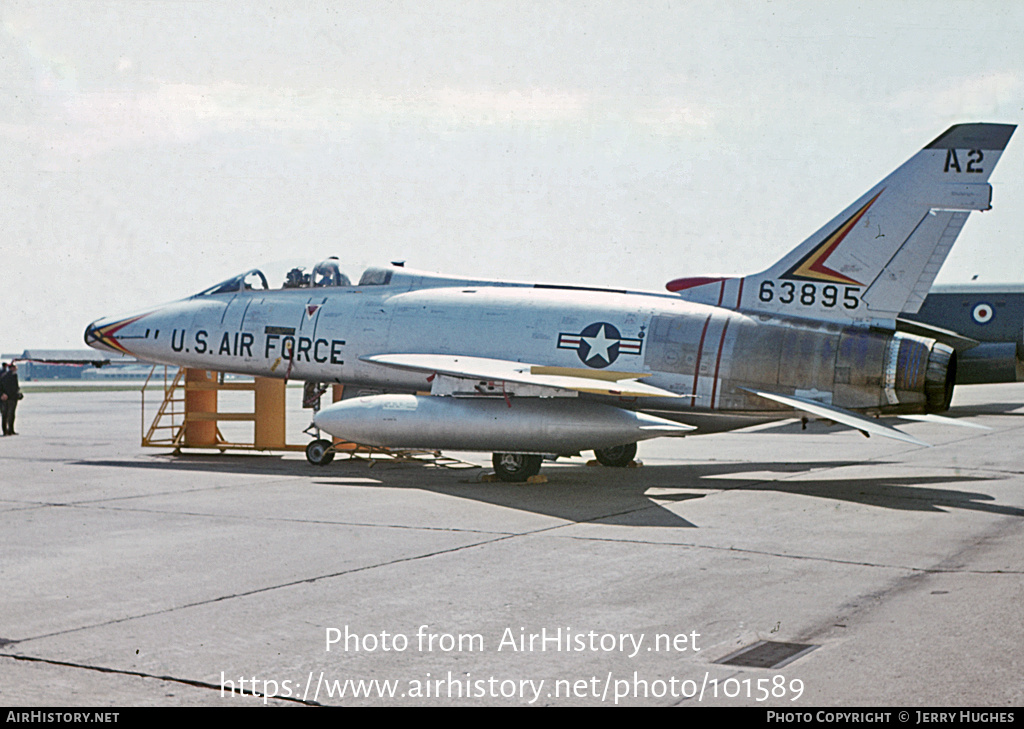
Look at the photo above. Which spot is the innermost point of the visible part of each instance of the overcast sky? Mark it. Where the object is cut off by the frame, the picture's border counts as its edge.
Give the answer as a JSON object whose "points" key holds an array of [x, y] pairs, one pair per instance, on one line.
{"points": [[151, 149]]}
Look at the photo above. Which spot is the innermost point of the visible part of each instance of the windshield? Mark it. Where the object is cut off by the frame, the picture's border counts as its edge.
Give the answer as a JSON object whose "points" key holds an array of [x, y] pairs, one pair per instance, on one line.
{"points": [[253, 279]]}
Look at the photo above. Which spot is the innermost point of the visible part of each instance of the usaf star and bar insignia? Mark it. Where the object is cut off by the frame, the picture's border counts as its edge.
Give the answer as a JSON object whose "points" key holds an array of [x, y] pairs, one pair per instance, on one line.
{"points": [[600, 344]]}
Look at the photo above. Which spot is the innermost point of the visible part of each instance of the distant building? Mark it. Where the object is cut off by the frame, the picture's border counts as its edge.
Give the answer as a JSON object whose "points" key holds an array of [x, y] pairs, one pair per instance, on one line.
{"points": [[76, 364]]}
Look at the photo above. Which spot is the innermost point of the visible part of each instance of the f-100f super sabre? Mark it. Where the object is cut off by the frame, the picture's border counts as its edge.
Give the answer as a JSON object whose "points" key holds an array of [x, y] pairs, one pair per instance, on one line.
{"points": [[528, 370]]}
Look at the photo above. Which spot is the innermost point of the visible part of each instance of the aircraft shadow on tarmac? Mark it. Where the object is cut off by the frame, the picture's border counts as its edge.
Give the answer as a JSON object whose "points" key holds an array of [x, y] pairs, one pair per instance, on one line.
{"points": [[1013, 409], [613, 497], [626, 497]]}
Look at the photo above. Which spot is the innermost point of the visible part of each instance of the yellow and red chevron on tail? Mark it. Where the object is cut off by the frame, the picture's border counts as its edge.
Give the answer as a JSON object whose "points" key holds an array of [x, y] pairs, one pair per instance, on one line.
{"points": [[812, 267]]}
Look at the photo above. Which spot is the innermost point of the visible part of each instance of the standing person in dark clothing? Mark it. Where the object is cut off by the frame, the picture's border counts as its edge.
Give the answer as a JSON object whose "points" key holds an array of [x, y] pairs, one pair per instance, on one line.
{"points": [[10, 393]]}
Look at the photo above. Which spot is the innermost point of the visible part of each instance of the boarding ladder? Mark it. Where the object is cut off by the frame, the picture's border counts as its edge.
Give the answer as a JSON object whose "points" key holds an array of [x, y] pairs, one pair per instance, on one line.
{"points": [[188, 415]]}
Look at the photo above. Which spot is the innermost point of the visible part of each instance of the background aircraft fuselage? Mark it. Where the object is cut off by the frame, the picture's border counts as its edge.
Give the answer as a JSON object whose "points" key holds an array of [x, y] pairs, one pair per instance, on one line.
{"points": [[992, 314]]}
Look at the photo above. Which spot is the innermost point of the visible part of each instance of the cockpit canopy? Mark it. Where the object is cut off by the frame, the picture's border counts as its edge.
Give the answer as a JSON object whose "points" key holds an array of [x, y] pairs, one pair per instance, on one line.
{"points": [[327, 273]]}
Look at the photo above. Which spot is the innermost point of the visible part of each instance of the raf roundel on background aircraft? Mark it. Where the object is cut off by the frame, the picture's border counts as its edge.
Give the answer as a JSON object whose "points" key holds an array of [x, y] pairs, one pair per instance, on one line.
{"points": [[530, 370]]}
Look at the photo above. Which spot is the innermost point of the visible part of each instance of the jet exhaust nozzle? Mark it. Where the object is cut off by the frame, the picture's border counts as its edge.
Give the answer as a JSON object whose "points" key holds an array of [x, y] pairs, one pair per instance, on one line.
{"points": [[940, 377]]}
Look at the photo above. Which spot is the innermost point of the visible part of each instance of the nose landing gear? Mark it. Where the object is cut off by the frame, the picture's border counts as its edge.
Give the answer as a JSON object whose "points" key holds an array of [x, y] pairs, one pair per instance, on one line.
{"points": [[320, 452]]}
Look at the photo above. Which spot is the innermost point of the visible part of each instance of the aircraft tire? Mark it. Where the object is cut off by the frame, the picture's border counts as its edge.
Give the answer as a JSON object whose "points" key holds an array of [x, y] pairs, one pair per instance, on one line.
{"points": [[319, 452], [515, 467], [616, 456]]}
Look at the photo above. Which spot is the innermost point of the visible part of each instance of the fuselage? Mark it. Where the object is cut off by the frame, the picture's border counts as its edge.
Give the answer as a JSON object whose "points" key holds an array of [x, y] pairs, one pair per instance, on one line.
{"points": [[708, 356]]}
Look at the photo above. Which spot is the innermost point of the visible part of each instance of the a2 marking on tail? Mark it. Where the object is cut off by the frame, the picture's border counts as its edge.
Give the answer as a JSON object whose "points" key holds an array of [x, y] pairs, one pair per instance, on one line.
{"points": [[878, 258]]}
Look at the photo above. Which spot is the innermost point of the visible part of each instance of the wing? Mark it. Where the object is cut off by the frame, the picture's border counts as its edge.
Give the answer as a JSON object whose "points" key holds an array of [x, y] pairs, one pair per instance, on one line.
{"points": [[596, 382]]}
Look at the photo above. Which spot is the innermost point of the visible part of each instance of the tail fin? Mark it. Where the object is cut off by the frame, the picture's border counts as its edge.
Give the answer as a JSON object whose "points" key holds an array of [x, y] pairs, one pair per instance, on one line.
{"points": [[879, 257]]}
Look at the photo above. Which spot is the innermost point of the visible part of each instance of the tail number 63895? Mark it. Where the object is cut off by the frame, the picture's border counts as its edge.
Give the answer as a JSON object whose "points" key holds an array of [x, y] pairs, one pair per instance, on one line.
{"points": [[809, 294]]}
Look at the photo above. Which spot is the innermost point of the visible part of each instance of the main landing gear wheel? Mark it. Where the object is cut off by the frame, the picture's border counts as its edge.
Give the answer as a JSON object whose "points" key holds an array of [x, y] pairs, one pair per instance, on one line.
{"points": [[516, 467], [319, 452], [616, 456]]}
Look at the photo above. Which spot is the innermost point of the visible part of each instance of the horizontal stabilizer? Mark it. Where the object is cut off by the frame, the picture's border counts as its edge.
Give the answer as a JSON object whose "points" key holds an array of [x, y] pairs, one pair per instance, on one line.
{"points": [[867, 426], [500, 370]]}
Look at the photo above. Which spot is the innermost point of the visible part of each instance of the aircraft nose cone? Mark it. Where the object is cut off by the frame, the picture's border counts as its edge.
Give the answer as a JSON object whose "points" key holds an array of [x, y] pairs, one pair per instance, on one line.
{"points": [[104, 334], [92, 335]]}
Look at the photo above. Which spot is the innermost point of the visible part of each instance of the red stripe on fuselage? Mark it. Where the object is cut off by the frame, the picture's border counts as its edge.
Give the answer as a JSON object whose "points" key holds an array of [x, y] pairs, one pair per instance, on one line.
{"points": [[696, 366], [718, 363]]}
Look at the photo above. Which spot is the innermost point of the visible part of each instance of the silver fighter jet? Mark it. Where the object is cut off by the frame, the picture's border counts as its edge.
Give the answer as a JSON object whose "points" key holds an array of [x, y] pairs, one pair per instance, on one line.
{"points": [[528, 370]]}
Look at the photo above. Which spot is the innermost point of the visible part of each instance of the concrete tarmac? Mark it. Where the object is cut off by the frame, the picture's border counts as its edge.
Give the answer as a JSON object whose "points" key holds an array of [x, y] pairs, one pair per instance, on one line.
{"points": [[134, 577]]}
